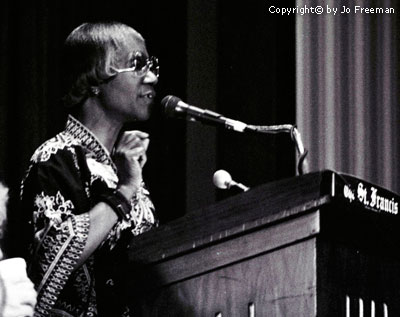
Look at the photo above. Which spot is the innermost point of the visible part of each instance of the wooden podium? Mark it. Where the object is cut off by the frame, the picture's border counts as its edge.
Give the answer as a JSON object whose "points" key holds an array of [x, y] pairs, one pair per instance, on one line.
{"points": [[321, 244]]}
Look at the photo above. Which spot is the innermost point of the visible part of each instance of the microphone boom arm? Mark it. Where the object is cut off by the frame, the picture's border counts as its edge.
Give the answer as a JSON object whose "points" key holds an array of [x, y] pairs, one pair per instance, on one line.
{"points": [[175, 107], [302, 165]]}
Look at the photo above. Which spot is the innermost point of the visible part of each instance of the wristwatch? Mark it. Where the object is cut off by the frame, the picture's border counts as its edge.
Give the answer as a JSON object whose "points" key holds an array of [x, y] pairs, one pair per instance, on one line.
{"points": [[118, 202]]}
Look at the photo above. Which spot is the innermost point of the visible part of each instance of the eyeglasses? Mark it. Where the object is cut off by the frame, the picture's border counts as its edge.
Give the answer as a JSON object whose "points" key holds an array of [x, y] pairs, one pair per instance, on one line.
{"points": [[141, 65]]}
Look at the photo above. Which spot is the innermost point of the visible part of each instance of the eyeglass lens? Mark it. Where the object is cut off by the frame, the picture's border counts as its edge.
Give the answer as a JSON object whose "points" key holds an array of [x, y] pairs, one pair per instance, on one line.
{"points": [[142, 64]]}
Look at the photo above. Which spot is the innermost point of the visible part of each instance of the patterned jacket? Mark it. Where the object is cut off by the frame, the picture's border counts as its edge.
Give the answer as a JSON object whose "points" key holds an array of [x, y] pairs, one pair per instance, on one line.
{"points": [[66, 175]]}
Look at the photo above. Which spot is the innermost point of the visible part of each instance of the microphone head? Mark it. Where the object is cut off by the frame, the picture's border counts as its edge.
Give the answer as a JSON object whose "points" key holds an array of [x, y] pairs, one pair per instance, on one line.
{"points": [[222, 179], [170, 103]]}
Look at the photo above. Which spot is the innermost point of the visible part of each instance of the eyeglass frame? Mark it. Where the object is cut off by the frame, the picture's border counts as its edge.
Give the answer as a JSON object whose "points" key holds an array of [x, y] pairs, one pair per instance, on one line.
{"points": [[150, 62]]}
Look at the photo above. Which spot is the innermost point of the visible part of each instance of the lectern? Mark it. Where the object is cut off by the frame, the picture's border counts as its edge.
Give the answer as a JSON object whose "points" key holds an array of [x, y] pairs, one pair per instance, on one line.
{"points": [[321, 244]]}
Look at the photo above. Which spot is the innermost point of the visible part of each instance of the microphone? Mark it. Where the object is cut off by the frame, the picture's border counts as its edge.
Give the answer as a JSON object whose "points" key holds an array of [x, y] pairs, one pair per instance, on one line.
{"points": [[223, 180], [174, 107]]}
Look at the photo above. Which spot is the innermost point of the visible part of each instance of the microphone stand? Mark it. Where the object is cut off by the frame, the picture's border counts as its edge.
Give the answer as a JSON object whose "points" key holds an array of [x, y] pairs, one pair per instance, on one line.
{"points": [[302, 165]]}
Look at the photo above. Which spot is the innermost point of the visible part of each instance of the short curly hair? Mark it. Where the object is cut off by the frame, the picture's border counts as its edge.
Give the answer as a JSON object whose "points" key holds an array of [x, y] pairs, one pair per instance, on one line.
{"points": [[89, 52]]}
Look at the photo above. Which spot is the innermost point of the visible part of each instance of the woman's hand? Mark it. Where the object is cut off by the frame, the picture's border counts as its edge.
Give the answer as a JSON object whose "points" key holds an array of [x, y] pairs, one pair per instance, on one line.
{"points": [[130, 157]]}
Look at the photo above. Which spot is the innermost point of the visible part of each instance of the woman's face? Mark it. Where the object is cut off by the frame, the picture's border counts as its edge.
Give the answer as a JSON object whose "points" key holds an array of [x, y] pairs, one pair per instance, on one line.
{"points": [[127, 97]]}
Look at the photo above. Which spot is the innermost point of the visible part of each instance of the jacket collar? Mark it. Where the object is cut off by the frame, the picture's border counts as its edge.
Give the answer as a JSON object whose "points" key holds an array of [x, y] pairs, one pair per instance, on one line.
{"points": [[88, 140]]}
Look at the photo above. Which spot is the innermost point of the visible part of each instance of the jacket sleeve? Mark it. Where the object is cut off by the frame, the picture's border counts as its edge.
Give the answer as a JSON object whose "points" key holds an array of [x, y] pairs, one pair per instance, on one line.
{"points": [[55, 202]]}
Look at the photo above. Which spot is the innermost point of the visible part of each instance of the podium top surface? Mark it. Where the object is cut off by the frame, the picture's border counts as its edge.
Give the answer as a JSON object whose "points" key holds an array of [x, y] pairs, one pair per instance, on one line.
{"points": [[261, 206]]}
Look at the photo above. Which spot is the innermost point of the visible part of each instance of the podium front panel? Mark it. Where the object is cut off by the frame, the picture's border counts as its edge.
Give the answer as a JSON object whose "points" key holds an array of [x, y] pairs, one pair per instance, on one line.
{"points": [[315, 245]]}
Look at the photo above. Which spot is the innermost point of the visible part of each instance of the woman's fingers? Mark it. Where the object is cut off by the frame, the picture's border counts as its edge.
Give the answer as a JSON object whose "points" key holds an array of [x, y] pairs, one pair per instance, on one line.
{"points": [[129, 136], [132, 139]]}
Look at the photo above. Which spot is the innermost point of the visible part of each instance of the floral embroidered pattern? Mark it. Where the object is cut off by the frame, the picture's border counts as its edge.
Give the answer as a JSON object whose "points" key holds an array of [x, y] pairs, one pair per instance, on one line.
{"points": [[55, 208], [142, 217], [142, 205], [52, 146], [103, 171]]}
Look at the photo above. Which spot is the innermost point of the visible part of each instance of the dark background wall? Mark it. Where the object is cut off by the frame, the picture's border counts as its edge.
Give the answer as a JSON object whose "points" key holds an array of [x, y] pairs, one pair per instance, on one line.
{"points": [[230, 57], [256, 84]]}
